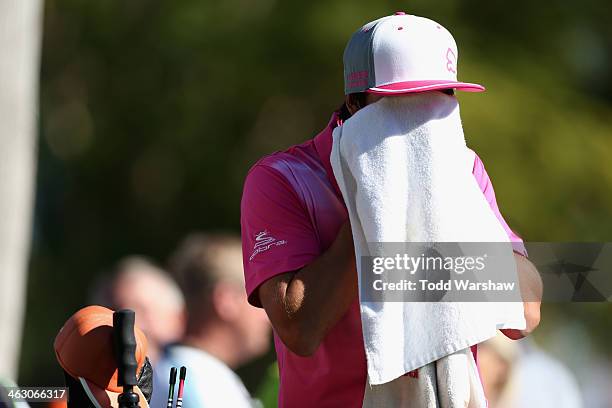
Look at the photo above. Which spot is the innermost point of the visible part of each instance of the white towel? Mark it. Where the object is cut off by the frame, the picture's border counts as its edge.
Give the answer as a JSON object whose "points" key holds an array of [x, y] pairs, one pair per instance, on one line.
{"points": [[450, 382], [405, 174]]}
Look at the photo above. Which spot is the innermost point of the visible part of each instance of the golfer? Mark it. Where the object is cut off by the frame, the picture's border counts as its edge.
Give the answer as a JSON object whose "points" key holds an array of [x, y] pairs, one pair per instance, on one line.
{"points": [[299, 260]]}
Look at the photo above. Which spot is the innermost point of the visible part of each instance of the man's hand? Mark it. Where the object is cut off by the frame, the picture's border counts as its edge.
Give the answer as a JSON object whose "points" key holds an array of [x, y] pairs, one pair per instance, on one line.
{"points": [[531, 292], [303, 305]]}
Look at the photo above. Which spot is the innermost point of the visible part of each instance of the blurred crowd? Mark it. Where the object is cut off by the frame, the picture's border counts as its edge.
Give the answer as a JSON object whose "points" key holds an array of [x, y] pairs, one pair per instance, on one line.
{"points": [[195, 314]]}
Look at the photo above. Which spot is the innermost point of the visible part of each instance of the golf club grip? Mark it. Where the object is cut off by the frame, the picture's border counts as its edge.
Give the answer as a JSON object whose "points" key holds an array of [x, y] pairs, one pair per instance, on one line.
{"points": [[125, 346]]}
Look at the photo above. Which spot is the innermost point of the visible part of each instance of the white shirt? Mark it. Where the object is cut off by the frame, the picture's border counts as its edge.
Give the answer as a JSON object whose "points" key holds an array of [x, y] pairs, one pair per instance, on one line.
{"points": [[209, 383]]}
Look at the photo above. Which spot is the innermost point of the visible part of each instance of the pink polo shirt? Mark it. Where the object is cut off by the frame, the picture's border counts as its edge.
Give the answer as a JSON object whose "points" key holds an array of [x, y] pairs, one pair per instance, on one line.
{"points": [[291, 211]]}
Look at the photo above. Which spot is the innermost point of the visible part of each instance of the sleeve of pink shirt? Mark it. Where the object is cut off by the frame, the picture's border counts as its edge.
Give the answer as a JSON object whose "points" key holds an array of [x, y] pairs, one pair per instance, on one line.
{"points": [[484, 182], [278, 236]]}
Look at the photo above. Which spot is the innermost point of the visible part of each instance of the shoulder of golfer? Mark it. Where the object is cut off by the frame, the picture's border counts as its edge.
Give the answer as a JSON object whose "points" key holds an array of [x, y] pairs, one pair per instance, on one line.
{"points": [[304, 289]]}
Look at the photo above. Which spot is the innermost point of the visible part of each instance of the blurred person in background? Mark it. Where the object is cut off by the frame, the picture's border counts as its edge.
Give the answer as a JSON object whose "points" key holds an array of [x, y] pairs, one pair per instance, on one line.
{"points": [[140, 285], [223, 331], [520, 375]]}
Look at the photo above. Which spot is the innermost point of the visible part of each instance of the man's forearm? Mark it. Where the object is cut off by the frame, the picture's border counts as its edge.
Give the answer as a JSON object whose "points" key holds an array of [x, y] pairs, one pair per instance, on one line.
{"points": [[309, 302], [531, 293]]}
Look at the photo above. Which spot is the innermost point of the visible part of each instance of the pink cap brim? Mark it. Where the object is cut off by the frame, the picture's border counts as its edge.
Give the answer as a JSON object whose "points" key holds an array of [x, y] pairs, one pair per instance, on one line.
{"points": [[424, 86]]}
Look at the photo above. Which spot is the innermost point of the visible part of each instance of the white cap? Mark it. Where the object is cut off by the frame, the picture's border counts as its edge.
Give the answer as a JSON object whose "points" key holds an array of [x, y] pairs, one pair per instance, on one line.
{"points": [[400, 54]]}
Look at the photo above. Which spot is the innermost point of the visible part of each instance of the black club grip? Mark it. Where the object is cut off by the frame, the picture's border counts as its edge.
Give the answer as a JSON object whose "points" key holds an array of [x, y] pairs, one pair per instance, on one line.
{"points": [[124, 343]]}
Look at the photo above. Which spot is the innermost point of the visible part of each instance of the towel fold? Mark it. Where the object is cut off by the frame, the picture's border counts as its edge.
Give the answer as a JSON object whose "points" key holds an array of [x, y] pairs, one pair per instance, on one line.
{"points": [[405, 174], [450, 382]]}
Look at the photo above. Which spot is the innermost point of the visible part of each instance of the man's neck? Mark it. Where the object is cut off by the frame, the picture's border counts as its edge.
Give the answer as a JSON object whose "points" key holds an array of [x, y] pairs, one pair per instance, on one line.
{"points": [[219, 342], [323, 145]]}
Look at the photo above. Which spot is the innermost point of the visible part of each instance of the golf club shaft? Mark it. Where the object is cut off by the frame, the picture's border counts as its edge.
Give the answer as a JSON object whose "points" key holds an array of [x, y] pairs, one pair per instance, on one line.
{"points": [[171, 388], [183, 374]]}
